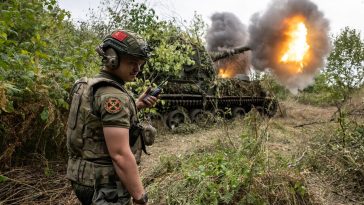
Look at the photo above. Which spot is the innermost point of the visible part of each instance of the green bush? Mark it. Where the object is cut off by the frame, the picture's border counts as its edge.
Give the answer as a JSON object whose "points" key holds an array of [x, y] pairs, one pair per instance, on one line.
{"points": [[41, 55]]}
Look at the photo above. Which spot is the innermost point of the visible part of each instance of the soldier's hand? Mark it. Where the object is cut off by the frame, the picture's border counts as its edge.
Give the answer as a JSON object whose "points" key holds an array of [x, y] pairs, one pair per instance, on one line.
{"points": [[146, 100]]}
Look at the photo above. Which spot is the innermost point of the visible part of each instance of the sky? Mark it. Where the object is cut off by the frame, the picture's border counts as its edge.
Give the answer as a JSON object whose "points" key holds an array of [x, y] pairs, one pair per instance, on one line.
{"points": [[340, 13]]}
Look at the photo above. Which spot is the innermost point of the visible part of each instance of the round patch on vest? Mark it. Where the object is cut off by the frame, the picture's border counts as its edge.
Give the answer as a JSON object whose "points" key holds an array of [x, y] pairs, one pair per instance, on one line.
{"points": [[112, 105]]}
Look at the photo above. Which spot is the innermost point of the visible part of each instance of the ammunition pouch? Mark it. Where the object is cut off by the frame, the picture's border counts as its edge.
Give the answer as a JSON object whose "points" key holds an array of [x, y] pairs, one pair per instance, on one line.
{"points": [[149, 134], [146, 133]]}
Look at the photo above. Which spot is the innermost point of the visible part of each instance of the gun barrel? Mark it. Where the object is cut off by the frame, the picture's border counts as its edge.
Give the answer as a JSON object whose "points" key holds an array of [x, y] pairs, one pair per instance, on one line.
{"points": [[221, 55], [241, 49]]}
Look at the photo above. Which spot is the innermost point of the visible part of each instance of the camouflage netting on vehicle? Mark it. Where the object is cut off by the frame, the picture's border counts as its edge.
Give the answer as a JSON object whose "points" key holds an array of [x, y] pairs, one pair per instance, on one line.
{"points": [[236, 87], [181, 88], [220, 88], [202, 68]]}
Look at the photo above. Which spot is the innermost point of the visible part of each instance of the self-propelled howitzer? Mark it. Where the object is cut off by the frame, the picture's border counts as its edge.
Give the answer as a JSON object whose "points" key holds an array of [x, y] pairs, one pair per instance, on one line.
{"points": [[200, 94]]}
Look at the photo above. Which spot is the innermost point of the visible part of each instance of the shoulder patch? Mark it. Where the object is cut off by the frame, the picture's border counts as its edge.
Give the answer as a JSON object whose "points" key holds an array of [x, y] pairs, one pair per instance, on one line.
{"points": [[112, 105]]}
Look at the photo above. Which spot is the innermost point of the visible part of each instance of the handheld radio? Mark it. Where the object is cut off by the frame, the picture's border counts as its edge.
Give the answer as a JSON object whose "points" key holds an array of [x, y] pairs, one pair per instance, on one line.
{"points": [[156, 91]]}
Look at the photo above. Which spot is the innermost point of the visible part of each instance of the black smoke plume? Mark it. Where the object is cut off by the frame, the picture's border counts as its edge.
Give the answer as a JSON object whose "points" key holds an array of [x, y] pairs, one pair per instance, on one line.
{"points": [[266, 32], [227, 32]]}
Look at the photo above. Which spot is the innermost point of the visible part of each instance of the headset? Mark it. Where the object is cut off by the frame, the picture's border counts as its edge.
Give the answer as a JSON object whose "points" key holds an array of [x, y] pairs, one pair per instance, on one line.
{"points": [[110, 57]]}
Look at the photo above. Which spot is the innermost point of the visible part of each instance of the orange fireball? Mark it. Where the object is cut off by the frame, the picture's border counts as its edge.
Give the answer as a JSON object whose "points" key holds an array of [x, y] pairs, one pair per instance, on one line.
{"points": [[295, 48]]}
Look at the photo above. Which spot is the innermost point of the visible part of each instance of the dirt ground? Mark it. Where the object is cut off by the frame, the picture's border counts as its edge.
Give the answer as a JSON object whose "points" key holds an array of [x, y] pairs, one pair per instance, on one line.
{"points": [[293, 128]]}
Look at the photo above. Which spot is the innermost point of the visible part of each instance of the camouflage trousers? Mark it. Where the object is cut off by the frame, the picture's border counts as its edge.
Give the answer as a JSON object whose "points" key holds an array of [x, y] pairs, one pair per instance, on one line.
{"points": [[108, 194]]}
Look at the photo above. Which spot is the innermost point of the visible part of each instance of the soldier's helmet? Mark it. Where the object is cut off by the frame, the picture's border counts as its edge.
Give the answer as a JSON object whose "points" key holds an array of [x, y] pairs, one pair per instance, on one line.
{"points": [[126, 42]]}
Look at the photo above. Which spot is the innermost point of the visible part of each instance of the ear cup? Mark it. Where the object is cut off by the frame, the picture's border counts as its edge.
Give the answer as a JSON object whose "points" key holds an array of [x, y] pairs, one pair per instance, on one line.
{"points": [[112, 62], [111, 59]]}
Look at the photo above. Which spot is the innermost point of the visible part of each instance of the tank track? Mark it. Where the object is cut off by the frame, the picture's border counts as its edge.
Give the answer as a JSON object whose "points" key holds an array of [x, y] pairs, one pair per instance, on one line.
{"points": [[181, 108]]}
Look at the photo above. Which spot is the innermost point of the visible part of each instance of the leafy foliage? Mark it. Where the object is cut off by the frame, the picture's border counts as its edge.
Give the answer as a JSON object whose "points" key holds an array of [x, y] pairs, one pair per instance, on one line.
{"points": [[41, 54], [345, 69]]}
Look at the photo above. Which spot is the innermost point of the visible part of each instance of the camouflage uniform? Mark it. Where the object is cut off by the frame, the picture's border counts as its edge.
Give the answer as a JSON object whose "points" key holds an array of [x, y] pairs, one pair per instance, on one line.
{"points": [[96, 103]]}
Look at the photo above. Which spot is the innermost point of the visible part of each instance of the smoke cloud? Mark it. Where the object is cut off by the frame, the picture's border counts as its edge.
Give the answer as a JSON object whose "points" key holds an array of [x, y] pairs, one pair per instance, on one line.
{"points": [[267, 32], [227, 32]]}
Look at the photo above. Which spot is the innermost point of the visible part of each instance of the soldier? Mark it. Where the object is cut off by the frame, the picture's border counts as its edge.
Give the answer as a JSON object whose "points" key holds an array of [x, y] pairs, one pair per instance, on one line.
{"points": [[103, 130]]}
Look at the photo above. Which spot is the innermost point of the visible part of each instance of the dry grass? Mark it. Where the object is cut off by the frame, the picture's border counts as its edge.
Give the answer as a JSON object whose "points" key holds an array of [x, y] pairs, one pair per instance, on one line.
{"points": [[25, 132], [36, 185], [273, 183]]}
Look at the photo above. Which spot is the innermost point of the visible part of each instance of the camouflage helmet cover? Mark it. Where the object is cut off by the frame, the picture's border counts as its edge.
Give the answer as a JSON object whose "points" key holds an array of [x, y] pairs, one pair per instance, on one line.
{"points": [[127, 42]]}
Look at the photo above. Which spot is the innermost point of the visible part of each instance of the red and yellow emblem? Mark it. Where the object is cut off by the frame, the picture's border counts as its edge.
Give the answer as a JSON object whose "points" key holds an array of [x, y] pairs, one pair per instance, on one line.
{"points": [[112, 105]]}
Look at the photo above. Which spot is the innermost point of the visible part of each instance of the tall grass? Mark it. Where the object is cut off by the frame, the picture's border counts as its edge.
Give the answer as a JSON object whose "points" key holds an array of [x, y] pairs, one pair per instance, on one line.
{"points": [[337, 154], [234, 170]]}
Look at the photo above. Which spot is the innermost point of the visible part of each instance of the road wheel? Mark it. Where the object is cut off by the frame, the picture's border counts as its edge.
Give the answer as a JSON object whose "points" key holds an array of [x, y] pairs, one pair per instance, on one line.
{"points": [[238, 112], [175, 118], [201, 117]]}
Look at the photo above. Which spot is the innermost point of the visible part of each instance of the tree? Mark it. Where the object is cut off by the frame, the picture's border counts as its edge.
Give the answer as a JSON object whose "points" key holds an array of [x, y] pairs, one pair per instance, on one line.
{"points": [[345, 68]]}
